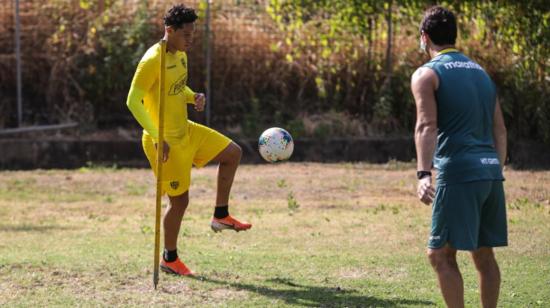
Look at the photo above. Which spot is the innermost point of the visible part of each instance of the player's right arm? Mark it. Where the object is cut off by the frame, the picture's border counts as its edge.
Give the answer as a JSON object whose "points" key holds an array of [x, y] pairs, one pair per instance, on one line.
{"points": [[146, 74], [499, 134], [423, 85]]}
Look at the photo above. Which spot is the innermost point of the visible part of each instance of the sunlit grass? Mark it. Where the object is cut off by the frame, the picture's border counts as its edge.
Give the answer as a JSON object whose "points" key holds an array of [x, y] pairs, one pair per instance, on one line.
{"points": [[323, 235]]}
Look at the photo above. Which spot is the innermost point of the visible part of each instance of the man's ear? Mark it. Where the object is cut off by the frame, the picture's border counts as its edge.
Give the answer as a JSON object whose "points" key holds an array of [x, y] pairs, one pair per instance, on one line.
{"points": [[169, 30], [427, 39]]}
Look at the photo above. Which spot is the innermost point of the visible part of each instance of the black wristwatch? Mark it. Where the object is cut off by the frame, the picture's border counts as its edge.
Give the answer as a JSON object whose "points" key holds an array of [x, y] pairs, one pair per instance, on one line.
{"points": [[422, 174]]}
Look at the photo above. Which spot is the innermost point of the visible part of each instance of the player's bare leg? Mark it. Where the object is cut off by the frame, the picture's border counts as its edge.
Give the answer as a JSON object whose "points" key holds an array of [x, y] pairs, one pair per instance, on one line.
{"points": [[228, 161], [443, 261], [171, 223], [172, 219], [489, 276]]}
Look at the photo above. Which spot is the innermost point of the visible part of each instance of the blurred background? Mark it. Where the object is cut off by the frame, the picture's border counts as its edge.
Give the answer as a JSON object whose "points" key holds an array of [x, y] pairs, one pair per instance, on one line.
{"points": [[321, 69]]}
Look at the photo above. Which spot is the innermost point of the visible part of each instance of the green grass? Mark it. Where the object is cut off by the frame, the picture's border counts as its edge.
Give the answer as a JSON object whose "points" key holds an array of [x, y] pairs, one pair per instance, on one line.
{"points": [[324, 235]]}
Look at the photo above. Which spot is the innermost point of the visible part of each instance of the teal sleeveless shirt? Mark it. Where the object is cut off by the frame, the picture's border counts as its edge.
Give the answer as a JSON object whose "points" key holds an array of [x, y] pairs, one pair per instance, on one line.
{"points": [[466, 99]]}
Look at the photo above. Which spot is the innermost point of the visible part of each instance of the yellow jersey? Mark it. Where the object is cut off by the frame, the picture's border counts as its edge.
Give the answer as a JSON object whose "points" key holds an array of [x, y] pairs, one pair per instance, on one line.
{"points": [[145, 87]]}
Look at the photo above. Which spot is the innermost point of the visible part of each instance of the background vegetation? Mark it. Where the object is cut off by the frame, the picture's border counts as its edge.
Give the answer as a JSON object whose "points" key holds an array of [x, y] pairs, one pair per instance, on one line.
{"points": [[319, 68]]}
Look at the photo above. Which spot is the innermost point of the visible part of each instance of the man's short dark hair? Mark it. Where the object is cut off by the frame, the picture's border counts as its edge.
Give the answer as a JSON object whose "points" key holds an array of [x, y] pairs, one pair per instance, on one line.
{"points": [[440, 25], [178, 15]]}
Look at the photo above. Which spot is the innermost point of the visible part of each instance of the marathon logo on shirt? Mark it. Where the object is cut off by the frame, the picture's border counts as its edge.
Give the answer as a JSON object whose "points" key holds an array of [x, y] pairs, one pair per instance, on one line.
{"points": [[490, 161], [462, 64]]}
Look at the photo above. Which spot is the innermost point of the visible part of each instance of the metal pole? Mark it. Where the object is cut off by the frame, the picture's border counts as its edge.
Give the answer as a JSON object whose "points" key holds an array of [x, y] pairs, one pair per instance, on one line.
{"points": [[208, 65], [18, 65], [9, 131]]}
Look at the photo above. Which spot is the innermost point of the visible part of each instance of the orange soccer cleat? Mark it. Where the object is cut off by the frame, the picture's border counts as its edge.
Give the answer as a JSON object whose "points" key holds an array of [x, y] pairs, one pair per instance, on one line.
{"points": [[177, 267], [228, 223]]}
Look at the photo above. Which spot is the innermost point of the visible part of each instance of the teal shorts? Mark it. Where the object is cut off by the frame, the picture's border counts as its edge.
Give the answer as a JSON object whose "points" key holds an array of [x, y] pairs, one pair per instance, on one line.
{"points": [[468, 216]]}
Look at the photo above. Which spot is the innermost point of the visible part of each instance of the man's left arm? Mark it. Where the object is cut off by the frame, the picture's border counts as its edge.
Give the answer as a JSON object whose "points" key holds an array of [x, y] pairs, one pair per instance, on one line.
{"points": [[197, 99], [499, 134], [189, 95]]}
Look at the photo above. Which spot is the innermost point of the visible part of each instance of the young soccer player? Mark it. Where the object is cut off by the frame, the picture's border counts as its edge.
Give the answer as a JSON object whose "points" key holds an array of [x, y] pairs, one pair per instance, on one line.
{"points": [[186, 142]]}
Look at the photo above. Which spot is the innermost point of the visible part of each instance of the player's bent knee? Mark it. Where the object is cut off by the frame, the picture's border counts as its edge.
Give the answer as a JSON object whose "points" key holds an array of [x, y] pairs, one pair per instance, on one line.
{"points": [[234, 153], [238, 151]]}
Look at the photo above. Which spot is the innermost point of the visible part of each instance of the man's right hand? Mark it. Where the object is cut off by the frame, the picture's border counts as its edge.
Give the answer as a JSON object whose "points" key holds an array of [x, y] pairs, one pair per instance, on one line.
{"points": [[166, 150], [425, 190]]}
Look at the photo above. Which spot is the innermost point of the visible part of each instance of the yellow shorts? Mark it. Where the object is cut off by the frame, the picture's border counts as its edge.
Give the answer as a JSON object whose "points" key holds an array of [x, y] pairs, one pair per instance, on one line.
{"points": [[198, 147]]}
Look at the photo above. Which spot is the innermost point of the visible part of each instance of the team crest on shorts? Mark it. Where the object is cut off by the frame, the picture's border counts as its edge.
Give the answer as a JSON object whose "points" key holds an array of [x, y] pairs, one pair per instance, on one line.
{"points": [[174, 184]]}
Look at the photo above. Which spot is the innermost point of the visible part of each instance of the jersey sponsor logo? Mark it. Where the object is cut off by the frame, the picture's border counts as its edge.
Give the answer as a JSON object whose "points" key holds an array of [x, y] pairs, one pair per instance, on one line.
{"points": [[489, 161], [462, 64], [178, 86]]}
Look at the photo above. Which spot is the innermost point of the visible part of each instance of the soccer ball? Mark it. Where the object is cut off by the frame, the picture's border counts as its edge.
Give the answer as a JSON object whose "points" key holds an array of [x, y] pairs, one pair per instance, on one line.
{"points": [[275, 144]]}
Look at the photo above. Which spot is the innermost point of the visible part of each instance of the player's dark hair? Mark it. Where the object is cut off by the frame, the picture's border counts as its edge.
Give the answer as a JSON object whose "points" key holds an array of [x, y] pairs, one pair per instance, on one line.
{"points": [[178, 15], [440, 25]]}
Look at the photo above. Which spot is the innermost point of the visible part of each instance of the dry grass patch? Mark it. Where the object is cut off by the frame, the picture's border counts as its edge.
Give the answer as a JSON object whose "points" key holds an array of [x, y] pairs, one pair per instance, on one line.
{"points": [[324, 234]]}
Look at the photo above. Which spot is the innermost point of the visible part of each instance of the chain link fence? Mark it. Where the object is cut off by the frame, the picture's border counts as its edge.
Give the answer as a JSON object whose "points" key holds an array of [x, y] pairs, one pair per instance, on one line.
{"points": [[25, 66], [78, 57], [8, 82]]}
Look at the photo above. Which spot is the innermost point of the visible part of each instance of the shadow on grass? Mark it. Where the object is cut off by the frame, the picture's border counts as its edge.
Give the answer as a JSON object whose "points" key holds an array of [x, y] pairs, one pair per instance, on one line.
{"points": [[31, 228], [314, 296]]}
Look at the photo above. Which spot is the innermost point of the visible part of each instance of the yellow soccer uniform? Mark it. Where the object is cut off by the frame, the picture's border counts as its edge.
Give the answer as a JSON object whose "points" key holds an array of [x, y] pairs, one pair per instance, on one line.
{"points": [[190, 143]]}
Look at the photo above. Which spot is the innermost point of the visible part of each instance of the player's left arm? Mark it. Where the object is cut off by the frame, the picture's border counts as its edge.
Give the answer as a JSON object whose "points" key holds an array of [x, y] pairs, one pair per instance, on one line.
{"points": [[189, 96], [197, 99], [423, 85], [499, 134]]}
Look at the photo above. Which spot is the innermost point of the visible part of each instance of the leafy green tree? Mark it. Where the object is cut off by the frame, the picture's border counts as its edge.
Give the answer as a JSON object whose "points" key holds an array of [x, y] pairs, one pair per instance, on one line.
{"points": [[358, 67]]}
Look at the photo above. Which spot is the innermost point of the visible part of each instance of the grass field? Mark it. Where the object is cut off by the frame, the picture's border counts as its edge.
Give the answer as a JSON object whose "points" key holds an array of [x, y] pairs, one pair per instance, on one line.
{"points": [[323, 235]]}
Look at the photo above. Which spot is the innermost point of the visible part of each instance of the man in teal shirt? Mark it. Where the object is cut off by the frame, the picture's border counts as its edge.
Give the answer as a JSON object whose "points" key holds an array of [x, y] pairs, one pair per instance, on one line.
{"points": [[460, 131]]}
